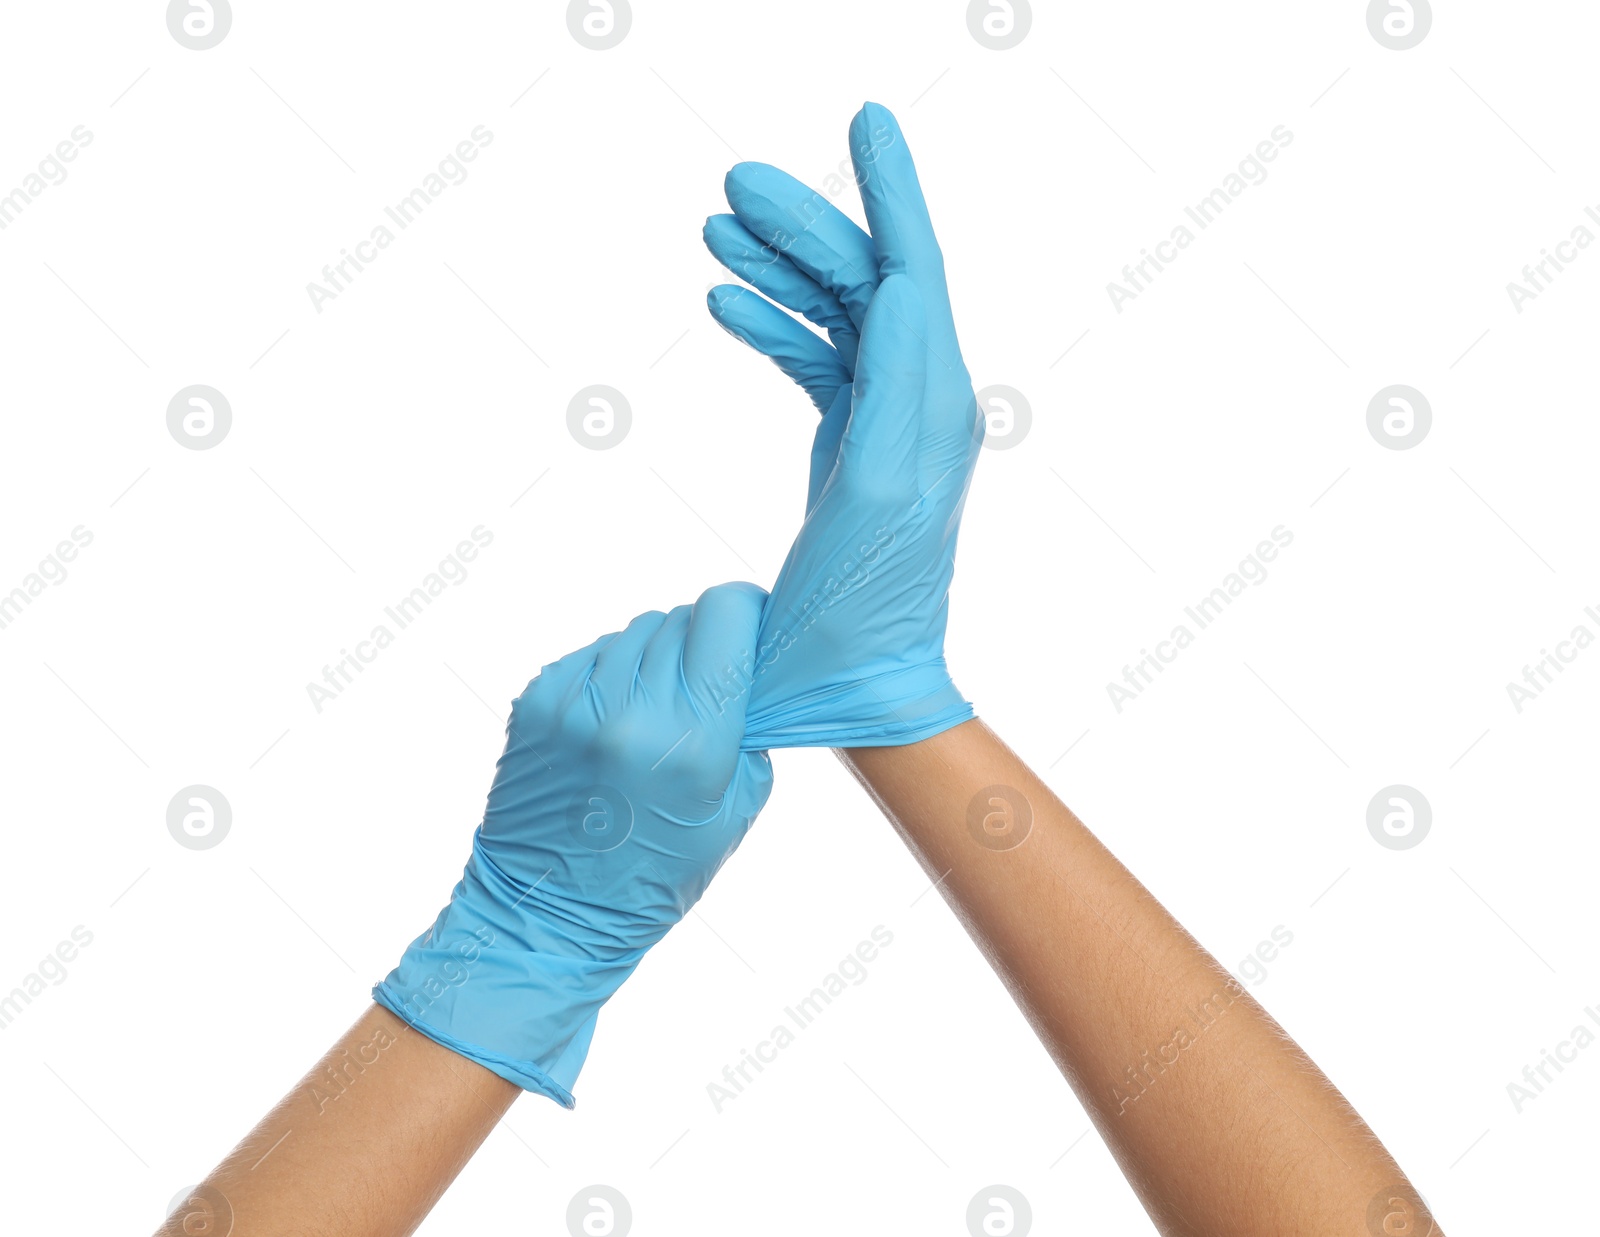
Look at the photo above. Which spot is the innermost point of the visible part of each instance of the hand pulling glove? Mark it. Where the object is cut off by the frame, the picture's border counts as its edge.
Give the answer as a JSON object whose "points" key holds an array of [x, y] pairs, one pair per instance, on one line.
{"points": [[621, 791]]}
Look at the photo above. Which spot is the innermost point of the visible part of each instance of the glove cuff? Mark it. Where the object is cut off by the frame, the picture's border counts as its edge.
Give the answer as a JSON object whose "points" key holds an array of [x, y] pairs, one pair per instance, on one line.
{"points": [[888, 709], [526, 1074], [478, 984]]}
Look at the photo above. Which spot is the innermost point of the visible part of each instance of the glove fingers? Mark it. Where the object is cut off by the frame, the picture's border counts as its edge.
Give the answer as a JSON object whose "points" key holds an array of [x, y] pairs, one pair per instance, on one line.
{"points": [[618, 663], [771, 273], [554, 676], [719, 650], [810, 362], [809, 230], [881, 438], [897, 213], [663, 656]]}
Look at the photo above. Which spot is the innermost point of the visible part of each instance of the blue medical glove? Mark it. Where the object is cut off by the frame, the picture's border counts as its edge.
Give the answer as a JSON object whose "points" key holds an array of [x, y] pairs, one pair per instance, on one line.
{"points": [[851, 652], [621, 791]]}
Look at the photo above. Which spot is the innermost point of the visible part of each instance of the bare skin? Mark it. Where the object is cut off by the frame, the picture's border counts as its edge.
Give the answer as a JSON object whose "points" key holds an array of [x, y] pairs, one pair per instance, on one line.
{"points": [[1219, 1121], [363, 1146]]}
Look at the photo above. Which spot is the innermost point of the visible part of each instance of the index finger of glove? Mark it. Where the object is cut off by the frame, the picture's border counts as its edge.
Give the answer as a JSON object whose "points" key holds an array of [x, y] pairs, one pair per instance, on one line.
{"points": [[809, 230]]}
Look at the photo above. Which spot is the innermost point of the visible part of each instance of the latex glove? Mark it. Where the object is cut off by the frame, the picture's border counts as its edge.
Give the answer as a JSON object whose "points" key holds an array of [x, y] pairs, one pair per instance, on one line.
{"points": [[620, 793], [851, 652]]}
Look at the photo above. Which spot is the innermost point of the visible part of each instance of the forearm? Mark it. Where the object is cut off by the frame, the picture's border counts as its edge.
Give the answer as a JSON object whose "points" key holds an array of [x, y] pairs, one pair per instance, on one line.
{"points": [[1217, 1118], [364, 1144]]}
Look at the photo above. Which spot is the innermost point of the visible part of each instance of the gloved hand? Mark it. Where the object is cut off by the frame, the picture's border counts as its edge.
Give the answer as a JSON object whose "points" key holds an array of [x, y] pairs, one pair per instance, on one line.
{"points": [[620, 793], [851, 651]]}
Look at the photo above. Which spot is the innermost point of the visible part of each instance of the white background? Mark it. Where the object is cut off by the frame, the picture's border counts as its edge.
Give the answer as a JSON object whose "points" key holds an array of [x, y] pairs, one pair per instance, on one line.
{"points": [[423, 401]]}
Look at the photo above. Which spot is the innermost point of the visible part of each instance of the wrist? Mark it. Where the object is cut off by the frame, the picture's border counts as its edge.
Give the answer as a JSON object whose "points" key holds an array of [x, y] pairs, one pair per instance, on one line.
{"points": [[878, 706]]}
